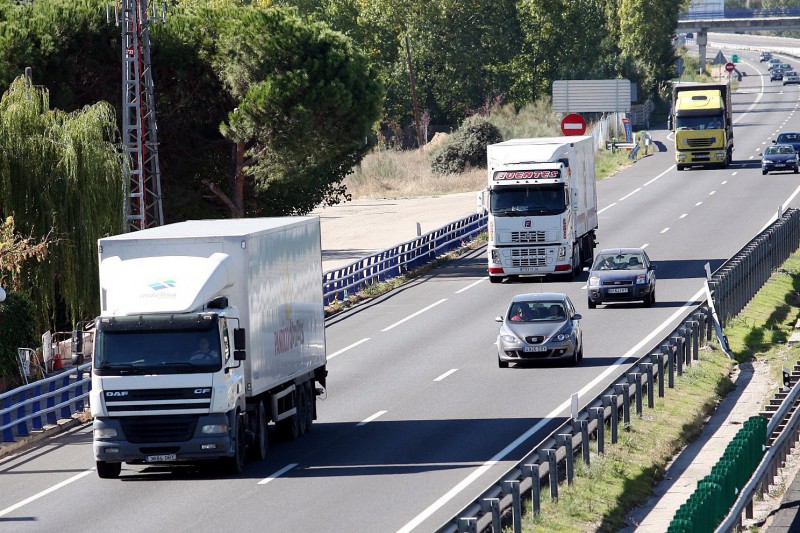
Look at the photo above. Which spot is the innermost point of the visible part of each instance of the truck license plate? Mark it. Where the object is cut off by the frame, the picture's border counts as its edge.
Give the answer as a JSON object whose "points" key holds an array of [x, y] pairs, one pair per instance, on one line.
{"points": [[528, 269], [617, 291], [161, 458], [535, 349]]}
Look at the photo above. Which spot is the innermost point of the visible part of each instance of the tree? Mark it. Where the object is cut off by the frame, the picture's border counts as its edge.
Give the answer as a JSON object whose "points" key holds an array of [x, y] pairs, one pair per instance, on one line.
{"points": [[60, 176], [305, 102]]}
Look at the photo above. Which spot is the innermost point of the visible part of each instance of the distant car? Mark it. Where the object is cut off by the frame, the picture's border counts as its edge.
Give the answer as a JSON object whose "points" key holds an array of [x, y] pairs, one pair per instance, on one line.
{"points": [[773, 60], [779, 157], [765, 56], [539, 327], [790, 76], [783, 66], [789, 137], [776, 75], [622, 275]]}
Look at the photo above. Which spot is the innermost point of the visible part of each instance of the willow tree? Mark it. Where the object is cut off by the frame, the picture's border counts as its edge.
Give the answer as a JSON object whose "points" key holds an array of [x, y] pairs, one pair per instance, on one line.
{"points": [[60, 178]]}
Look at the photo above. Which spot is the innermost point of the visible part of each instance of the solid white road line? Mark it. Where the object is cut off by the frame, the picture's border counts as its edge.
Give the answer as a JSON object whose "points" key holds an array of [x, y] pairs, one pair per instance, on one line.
{"points": [[470, 286], [607, 207], [334, 354], [440, 378], [654, 179], [277, 474], [45, 492], [409, 317], [629, 194], [475, 474], [370, 419]]}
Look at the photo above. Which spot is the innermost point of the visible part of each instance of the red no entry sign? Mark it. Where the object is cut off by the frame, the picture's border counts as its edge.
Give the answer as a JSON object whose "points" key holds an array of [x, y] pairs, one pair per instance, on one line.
{"points": [[729, 67], [573, 124]]}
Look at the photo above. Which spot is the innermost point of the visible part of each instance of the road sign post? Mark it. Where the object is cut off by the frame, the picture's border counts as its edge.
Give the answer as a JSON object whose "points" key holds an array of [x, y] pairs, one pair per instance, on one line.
{"points": [[573, 124]]}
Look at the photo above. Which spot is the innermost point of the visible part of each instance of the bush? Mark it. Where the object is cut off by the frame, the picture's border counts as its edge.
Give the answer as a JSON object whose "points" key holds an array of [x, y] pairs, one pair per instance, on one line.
{"points": [[467, 146], [17, 330]]}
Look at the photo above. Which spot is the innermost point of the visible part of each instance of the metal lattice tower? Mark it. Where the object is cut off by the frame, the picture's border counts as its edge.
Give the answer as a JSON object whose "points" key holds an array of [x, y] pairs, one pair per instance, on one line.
{"points": [[143, 208]]}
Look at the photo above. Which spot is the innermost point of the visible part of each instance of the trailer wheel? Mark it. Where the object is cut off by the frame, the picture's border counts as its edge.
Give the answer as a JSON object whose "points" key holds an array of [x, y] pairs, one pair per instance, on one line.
{"points": [[302, 407], [260, 444], [235, 465], [106, 470]]}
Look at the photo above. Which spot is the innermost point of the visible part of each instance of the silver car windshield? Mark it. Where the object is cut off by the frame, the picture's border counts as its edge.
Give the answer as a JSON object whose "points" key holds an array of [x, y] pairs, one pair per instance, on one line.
{"points": [[537, 312], [619, 262]]}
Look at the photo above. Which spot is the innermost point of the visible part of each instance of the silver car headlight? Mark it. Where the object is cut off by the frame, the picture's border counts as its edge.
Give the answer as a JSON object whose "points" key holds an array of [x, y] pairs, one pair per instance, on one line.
{"points": [[510, 339], [563, 334]]}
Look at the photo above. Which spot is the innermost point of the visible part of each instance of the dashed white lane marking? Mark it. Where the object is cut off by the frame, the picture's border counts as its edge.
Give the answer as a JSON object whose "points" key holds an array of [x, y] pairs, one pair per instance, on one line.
{"points": [[470, 286], [712, 193], [698, 204], [371, 418], [629, 194], [683, 215], [409, 317], [334, 354], [664, 230], [277, 474], [440, 378]]}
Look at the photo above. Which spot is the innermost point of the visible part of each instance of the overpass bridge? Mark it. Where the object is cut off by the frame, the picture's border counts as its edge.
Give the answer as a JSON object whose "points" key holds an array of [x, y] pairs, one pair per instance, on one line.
{"points": [[736, 21]]}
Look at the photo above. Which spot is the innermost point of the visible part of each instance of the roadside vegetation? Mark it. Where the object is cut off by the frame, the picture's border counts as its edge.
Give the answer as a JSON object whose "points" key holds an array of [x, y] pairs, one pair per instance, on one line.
{"points": [[622, 479]]}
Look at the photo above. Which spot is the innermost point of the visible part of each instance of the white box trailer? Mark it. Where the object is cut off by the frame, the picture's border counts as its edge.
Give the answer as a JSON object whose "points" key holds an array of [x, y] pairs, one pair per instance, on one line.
{"points": [[249, 291], [541, 199]]}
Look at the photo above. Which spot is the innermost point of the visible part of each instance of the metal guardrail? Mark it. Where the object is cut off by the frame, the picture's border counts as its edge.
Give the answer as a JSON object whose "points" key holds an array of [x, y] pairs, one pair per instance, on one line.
{"points": [[339, 283], [739, 14], [29, 407], [731, 292]]}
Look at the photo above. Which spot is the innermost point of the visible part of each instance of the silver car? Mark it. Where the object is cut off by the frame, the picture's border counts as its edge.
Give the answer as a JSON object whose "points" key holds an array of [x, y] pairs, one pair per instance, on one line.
{"points": [[539, 327]]}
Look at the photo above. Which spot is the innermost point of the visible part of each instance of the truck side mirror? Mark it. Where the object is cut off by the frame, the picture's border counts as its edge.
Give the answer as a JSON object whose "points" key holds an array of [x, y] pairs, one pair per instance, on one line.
{"points": [[239, 355], [76, 344], [670, 124], [238, 339], [482, 201]]}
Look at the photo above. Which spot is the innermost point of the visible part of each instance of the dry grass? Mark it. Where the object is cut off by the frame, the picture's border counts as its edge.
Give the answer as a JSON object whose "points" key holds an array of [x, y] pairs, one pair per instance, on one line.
{"points": [[390, 173]]}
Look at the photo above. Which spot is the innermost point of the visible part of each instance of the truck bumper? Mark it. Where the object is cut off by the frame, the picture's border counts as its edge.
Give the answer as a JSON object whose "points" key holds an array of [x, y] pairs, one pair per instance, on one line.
{"points": [[161, 439], [706, 157], [519, 261]]}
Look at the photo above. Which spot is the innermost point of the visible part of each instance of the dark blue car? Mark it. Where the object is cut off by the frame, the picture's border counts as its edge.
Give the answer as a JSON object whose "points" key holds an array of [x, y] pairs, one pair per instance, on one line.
{"points": [[789, 137], [779, 157]]}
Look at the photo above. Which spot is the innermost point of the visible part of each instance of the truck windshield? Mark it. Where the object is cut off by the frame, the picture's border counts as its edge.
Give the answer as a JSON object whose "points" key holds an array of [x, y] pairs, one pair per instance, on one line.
{"points": [[157, 352], [529, 200], [709, 122]]}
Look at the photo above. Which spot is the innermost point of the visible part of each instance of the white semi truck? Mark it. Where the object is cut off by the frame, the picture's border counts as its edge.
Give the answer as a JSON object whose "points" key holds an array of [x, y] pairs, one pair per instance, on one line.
{"points": [[208, 331], [541, 202]]}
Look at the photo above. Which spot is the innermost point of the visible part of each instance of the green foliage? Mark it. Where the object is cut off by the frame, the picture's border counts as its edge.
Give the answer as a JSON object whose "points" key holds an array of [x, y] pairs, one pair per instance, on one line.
{"points": [[17, 330], [60, 178], [467, 146]]}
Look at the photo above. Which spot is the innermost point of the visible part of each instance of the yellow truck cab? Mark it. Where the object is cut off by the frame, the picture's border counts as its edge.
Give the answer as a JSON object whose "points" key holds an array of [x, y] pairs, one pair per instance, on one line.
{"points": [[701, 118]]}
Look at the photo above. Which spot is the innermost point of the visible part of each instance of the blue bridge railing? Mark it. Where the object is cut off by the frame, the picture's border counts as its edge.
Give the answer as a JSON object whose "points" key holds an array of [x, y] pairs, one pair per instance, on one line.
{"points": [[32, 406], [338, 283]]}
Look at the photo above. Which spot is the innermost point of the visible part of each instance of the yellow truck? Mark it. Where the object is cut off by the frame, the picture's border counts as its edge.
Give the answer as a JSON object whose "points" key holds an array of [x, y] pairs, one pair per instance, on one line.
{"points": [[702, 119]]}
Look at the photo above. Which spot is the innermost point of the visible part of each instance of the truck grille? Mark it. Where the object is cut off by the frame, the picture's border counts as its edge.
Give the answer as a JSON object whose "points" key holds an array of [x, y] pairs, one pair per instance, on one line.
{"points": [[159, 429], [701, 143], [158, 399], [528, 236], [528, 257]]}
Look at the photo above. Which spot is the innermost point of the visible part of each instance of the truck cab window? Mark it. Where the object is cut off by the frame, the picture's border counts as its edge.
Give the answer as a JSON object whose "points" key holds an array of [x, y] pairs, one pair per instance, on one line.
{"points": [[226, 343], [529, 200]]}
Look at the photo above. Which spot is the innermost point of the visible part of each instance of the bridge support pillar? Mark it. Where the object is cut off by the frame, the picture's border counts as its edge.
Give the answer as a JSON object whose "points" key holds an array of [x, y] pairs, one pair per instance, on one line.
{"points": [[702, 41]]}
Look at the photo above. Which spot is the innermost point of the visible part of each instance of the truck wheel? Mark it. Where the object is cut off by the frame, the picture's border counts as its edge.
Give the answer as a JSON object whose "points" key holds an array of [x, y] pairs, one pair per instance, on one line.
{"points": [[495, 279], [235, 465], [311, 401], [680, 167], [302, 408], [106, 470], [260, 444]]}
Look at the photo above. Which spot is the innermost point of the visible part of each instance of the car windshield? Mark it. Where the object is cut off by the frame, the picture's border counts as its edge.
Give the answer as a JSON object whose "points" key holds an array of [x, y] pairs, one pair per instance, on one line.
{"points": [[780, 149], [622, 261], [524, 201], [540, 311]]}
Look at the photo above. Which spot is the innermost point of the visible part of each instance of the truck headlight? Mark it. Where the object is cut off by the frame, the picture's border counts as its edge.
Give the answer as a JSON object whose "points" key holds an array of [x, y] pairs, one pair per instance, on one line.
{"points": [[681, 157], [562, 252], [495, 256], [105, 433], [720, 155], [210, 429]]}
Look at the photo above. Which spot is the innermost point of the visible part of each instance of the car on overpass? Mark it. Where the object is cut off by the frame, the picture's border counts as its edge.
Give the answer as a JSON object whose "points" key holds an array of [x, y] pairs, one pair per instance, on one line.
{"points": [[779, 157], [790, 77], [539, 327], [776, 75], [621, 275]]}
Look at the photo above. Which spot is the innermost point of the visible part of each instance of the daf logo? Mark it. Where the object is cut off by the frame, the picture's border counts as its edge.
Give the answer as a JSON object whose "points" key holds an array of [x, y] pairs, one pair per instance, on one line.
{"points": [[202, 391], [116, 393]]}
